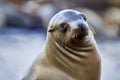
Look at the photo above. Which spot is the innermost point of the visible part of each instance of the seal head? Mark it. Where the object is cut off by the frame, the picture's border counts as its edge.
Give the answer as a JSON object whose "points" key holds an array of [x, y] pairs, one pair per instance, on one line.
{"points": [[70, 25], [70, 52]]}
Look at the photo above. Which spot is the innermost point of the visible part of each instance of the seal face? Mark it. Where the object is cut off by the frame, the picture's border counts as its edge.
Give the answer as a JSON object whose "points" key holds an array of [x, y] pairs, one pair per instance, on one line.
{"points": [[70, 25], [70, 52]]}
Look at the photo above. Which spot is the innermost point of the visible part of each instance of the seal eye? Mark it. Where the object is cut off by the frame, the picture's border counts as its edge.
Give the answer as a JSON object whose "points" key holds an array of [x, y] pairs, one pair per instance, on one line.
{"points": [[63, 26], [84, 17]]}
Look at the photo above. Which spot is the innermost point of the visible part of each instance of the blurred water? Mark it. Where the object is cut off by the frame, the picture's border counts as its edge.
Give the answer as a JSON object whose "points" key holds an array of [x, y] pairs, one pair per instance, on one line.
{"points": [[18, 48], [110, 56]]}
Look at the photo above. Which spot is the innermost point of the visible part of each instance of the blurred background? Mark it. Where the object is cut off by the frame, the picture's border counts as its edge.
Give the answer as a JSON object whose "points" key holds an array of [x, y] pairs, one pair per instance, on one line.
{"points": [[23, 25]]}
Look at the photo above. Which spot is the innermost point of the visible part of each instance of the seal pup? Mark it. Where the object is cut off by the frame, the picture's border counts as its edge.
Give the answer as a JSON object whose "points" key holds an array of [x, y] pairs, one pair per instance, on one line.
{"points": [[70, 52]]}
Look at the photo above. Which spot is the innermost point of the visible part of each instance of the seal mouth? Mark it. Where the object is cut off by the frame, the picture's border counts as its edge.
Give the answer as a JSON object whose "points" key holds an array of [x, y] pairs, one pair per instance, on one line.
{"points": [[74, 35], [79, 34]]}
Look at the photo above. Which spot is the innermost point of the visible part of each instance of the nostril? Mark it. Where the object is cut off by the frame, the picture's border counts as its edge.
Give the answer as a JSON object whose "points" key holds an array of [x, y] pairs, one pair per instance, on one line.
{"points": [[81, 26]]}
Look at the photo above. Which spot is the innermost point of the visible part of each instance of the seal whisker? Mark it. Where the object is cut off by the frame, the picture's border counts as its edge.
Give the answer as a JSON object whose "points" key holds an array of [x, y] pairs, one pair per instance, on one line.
{"points": [[64, 40]]}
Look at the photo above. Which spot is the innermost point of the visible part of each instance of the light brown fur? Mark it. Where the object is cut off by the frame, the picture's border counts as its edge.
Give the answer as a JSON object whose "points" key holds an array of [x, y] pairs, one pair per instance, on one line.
{"points": [[73, 59]]}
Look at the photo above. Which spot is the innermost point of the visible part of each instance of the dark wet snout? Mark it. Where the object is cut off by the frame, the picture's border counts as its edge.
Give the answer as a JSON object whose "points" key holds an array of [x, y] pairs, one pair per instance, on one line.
{"points": [[81, 29], [81, 26]]}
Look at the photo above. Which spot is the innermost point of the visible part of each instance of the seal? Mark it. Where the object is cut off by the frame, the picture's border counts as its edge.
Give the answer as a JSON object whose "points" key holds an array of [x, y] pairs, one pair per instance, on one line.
{"points": [[70, 52]]}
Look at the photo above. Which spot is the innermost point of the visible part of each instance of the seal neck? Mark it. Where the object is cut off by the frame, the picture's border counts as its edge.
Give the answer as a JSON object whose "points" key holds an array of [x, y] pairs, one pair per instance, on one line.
{"points": [[69, 59]]}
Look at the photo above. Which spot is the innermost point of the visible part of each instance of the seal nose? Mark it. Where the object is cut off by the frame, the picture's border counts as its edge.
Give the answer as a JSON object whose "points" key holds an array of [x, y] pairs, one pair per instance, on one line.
{"points": [[81, 26]]}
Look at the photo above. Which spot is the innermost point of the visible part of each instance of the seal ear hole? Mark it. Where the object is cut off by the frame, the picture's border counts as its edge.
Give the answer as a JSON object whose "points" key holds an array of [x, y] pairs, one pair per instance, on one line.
{"points": [[50, 29]]}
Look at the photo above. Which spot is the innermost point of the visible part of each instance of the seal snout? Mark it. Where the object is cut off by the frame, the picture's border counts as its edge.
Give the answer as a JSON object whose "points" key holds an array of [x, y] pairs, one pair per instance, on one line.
{"points": [[81, 27], [81, 30]]}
